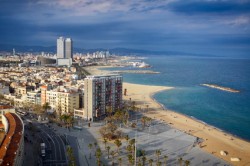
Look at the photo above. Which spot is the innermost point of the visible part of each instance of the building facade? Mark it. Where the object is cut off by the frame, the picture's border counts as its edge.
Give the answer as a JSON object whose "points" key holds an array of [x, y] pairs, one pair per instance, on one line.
{"points": [[100, 93], [34, 97]]}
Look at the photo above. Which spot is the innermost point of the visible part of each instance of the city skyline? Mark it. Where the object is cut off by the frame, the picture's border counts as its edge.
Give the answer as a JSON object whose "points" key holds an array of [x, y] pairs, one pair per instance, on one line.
{"points": [[214, 27]]}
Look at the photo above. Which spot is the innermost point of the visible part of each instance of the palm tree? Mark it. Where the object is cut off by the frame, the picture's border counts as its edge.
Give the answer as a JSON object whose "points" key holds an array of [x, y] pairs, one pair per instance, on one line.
{"points": [[129, 149], [144, 159], [147, 108], [120, 161], [118, 143], [150, 162], [132, 143], [130, 158], [133, 105], [127, 138], [165, 159], [158, 153], [108, 148], [46, 106], [158, 163], [70, 156], [90, 148], [139, 162], [95, 143], [109, 110], [143, 121], [113, 156], [180, 161], [98, 155], [187, 162], [105, 142]]}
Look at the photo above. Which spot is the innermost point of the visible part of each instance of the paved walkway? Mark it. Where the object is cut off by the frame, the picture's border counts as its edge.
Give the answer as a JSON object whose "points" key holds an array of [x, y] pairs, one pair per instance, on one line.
{"points": [[172, 143]]}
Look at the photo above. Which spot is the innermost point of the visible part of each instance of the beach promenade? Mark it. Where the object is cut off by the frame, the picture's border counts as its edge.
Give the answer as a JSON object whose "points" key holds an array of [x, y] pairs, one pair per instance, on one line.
{"points": [[214, 140]]}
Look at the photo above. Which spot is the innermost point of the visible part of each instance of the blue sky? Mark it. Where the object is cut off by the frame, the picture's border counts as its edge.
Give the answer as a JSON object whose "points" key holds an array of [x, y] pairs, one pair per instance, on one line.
{"points": [[195, 26]]}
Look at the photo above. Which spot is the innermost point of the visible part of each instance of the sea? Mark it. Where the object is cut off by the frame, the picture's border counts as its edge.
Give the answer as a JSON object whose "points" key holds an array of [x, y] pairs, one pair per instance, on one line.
{"points": [[229, 112]]}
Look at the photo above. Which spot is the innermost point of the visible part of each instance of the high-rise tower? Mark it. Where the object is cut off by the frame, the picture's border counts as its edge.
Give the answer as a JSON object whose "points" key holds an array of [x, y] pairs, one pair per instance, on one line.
{"points": [[60, 47], [64, 48], [68, 48]]}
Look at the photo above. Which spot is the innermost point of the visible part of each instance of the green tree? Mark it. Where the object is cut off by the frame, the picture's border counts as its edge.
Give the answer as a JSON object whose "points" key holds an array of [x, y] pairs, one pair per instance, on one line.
{"points": [[127, 138], [118, 143], [46, 106], [158, 153], [129, 149], [132, 143], [108, 149], [150, 162], [98, 155], [187, 162], [109, 111], [71, 157], [90, 148], [105, 142], [143, 121], [158, 163], [113, 156], [147, 108], [165, 159], [95, 143], [144, 159], [130, 159], [120, 161], [180, 161]]}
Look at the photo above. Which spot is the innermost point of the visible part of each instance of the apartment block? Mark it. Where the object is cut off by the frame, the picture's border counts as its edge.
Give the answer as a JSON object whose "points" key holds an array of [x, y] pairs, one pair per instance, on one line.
{"points": [[34, 97], [101, 92]]}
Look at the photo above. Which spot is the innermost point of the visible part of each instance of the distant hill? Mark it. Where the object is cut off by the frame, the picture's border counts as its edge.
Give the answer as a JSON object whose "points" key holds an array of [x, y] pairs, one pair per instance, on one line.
{"points": [[118, 51]]}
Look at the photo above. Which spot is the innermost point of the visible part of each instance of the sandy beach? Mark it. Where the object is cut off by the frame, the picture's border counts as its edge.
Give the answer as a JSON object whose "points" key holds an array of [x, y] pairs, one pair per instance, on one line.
{"points": [[214, 140]]}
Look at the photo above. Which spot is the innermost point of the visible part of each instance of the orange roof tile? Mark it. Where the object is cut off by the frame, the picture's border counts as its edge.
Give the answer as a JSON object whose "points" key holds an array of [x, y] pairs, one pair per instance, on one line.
{"points": [[10, 144]]}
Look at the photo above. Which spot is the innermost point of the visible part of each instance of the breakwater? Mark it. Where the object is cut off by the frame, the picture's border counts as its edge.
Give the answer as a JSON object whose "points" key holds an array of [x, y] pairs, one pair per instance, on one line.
{"points": [[221, 88], [136, 71]]}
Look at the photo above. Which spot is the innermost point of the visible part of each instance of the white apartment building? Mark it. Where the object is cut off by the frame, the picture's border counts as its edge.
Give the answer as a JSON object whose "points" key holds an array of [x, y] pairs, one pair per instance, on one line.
{"points": [[63, 101], [34, 97], [101, 92]]}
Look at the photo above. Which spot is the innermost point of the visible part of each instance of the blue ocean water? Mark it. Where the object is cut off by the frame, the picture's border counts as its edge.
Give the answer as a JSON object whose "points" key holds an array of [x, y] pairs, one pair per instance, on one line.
{"points": [[224, 110]]}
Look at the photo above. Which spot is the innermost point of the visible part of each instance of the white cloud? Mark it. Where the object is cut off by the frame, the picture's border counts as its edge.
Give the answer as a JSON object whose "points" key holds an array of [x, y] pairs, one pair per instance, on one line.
{"points": [[89, 7], [239, 21]]}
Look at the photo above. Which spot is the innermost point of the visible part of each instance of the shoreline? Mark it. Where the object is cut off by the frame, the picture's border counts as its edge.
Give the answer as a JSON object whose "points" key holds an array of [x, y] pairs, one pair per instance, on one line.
{"points": [[194, 118], [214, 139]]}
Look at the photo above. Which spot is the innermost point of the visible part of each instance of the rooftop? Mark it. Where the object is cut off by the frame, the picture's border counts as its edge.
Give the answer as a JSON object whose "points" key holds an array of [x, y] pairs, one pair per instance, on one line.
{"points": [[10, 144]]}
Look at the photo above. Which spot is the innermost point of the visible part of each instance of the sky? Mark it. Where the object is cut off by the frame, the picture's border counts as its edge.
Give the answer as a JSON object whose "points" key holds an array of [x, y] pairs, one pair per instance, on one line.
{"points": [[193, 26]]}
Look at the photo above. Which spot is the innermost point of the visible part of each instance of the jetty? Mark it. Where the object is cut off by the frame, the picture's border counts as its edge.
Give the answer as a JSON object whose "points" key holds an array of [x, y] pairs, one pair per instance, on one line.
{"points": [[221, 88], [136, 71]]}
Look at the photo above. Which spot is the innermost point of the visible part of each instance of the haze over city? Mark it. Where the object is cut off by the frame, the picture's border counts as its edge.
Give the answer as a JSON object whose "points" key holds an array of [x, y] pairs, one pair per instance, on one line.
{"points": [[213, 27], [124, 82]]}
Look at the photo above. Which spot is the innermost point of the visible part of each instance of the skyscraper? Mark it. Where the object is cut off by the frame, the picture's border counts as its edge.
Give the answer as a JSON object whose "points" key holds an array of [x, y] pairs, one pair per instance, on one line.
{"points": [[60, 47], [64, 48], [68, 48]]}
